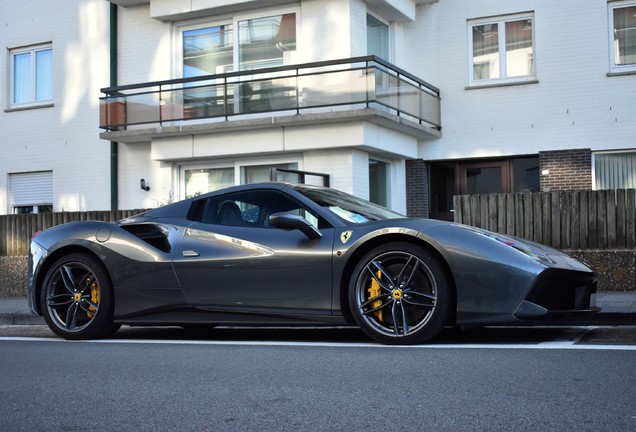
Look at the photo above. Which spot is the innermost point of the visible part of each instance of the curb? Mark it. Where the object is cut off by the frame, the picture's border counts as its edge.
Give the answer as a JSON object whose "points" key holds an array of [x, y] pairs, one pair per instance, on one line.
{"points": [[21, 319], [599, 319]]}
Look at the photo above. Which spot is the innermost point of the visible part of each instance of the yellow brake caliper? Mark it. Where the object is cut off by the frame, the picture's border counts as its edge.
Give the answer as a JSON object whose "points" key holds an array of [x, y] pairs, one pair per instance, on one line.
{"points": [[374, 291], [94, 298]]}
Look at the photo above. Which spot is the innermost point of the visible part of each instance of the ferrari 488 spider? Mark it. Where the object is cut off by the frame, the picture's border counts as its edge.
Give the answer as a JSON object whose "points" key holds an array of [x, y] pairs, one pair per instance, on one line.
{"points": [[294, 254]]}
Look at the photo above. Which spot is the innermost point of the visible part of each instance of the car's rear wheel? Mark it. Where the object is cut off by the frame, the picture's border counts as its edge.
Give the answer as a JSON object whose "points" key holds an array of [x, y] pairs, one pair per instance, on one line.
{"points": [[77, 298], [399, 294]]}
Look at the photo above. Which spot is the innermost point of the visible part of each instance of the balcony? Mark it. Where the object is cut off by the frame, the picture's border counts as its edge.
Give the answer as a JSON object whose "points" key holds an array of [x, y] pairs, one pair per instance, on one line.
{"points": [[355, 89]]}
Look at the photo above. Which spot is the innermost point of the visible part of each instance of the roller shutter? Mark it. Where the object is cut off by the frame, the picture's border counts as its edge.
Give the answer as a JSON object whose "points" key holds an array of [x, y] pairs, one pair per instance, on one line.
{"points": [[35, 188]]}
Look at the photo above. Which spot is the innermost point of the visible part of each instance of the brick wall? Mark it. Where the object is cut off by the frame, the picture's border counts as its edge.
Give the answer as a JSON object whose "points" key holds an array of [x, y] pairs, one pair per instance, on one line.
{"points": [[565, 169], [417, 188]]}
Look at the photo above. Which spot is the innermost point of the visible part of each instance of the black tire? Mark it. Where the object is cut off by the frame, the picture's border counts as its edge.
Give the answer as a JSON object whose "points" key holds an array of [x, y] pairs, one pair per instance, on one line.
{"points": [[399, 294], [77, 298]]}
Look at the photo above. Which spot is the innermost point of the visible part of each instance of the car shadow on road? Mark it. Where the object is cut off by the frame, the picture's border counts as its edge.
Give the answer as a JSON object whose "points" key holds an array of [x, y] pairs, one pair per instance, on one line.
{"points": [[625, 335]]}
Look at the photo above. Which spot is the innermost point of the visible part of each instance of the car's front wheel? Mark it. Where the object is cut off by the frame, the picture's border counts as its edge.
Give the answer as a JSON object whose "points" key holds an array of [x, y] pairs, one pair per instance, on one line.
{"points": [[77, 298], [399, 294]]}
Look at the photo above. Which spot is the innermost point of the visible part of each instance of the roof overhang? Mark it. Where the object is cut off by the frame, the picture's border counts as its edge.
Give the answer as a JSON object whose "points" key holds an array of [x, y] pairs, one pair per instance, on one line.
{"points": [[173, 10]]}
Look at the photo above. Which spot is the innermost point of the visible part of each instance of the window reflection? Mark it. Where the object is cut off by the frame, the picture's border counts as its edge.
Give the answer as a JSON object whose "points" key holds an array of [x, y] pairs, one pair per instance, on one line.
{"points": [[483, 180], [263, 41], [200, 181]]}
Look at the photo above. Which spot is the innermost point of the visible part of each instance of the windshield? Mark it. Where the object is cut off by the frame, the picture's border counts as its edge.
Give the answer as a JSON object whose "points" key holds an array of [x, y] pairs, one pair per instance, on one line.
{"points": [[348, 207]]}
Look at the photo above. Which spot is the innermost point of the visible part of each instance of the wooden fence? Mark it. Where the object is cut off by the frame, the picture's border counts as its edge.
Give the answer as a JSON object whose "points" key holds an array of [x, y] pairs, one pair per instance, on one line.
{"points": [[585, 220], [16, 230]]}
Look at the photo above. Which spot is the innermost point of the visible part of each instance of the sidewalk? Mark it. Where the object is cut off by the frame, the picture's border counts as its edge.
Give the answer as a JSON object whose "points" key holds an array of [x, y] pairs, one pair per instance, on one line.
{"points": [[15, 310], [617, 308]]}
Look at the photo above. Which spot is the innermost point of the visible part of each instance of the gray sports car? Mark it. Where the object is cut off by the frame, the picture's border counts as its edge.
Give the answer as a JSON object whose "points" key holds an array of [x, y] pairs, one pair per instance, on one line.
{"points": [[287, 254]]}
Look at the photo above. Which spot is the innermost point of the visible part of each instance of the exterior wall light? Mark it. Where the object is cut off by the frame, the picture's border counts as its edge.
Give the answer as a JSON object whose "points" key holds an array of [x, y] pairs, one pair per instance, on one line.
{"points": [[142, 184]]}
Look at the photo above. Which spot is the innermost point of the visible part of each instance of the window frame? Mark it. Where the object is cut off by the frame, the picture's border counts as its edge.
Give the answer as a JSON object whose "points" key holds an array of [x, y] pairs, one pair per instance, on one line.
{"points": [[185, 170], [238, 165], [503, 79], [180, 27], [34, 209], [388, 182], [611, 7], [595, 185], [248, 203], [390, 36], [32, 50]]}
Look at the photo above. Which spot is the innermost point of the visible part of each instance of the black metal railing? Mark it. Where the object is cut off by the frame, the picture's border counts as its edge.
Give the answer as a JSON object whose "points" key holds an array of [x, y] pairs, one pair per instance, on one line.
{"points": [[311, 87]]}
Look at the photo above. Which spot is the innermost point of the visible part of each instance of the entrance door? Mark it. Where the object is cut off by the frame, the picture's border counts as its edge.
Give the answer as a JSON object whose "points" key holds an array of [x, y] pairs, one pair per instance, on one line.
{"points": [[449, 178]]}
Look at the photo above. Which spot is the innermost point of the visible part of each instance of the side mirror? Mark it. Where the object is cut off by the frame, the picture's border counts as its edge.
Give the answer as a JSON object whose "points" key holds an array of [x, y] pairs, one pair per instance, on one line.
{"points": [[289, 221]]}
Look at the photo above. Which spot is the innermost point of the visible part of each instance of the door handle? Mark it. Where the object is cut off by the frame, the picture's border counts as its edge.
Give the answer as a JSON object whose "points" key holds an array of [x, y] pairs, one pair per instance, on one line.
{"points": [[190, 253]]}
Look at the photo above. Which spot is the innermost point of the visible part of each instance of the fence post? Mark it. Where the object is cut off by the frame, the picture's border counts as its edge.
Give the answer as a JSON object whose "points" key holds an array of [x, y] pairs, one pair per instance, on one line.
{"points": [[575, 223], [458, 211], [584, 223], [621, 236], [630, 219], [502, 219], [556, 218], [610, 221], [537, 216]]}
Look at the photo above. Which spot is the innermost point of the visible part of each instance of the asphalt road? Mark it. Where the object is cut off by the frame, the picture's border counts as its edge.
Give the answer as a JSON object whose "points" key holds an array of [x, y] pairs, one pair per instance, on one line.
{"points": [[574, 379]]}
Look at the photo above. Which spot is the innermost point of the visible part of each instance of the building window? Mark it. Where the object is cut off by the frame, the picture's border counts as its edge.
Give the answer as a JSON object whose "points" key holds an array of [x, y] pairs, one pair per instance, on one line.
{"points": [[31, 192], [258, 43], [379, 182], [262, 173], [31, 76], [208, 51], [622, 16], [502, 50], [33, 209], [377, 38], [200, 181], [264, 41], [237, 45], [615, 170], [525, 175]]}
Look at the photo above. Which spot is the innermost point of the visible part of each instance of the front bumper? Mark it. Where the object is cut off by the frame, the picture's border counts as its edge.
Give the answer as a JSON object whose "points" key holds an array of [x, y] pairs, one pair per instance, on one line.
{"points": [[559, 292]]}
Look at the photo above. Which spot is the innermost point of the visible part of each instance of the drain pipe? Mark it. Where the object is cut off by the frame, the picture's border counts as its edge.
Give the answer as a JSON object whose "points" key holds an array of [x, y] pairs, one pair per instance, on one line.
{"points": [[114, 160]]}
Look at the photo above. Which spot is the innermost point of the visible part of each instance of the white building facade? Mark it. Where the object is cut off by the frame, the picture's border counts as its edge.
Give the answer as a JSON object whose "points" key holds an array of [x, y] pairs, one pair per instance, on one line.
{"points": [[54, 62], [462, 97]]}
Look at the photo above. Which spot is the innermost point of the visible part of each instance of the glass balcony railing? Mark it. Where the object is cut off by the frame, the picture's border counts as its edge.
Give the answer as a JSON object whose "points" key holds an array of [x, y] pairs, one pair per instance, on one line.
{"points": [[355, 83]]}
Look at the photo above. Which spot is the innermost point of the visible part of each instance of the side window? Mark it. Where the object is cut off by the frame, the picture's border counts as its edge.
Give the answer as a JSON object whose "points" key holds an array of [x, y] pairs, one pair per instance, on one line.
{"points": [[248, 209]]}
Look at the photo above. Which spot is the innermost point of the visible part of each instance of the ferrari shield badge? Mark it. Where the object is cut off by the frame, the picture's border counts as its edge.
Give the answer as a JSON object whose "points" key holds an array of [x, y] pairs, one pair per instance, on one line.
{"points": [[345, 236]]}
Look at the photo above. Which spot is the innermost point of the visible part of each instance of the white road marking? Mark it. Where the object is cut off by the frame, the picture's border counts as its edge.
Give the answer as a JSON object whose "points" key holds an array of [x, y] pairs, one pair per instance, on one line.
{"points": [[552, 345]]}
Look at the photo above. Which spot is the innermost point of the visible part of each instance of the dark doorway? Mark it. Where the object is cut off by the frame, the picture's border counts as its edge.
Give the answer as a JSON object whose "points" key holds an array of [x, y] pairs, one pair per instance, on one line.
{"points": [[470, 177]]}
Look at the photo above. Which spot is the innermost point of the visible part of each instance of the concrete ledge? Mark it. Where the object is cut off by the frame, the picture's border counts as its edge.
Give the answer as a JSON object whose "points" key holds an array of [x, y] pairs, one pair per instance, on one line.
{"points": [[13, 276], [255, 122], [616, 268]]}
